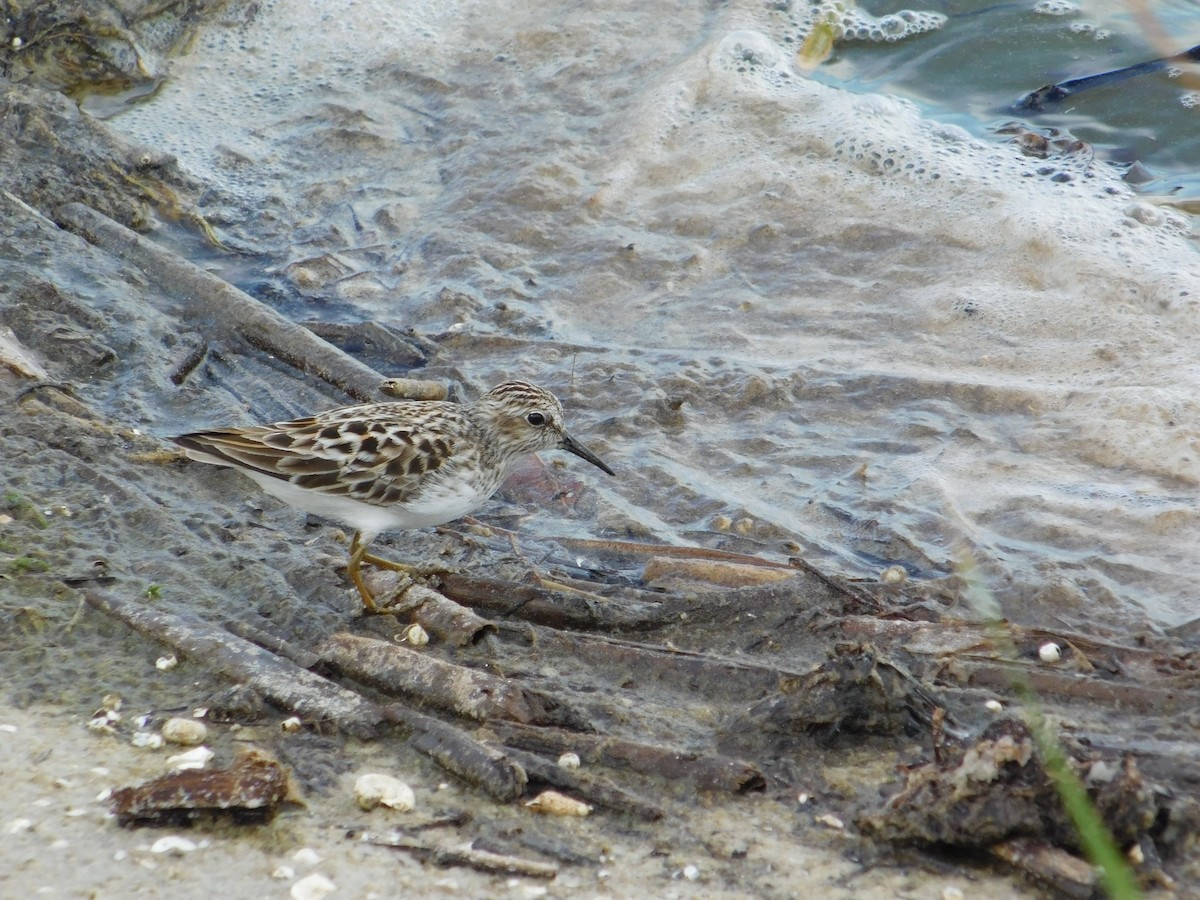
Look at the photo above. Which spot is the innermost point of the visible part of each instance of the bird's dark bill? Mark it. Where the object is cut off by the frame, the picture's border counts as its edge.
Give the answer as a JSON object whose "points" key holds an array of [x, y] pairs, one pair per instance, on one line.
{"points": [[572, 446]]}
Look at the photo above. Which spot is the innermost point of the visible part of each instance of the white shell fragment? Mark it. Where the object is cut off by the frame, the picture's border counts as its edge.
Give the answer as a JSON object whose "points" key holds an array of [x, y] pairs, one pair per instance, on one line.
{"points": [[148, 739], [185, 732], [173, 844], [1049, 652], [312, 887], [552, 803], [306, 856], [192, 759], [375, 790], [893, 575], [291, 725], [994, 706], [104, 720], [166, 663], [16, 826], [569, 761]]}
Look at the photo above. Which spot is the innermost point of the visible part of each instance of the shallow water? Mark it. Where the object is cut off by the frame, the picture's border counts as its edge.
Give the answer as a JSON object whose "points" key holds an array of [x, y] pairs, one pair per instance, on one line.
{"points": [[796, 318]]}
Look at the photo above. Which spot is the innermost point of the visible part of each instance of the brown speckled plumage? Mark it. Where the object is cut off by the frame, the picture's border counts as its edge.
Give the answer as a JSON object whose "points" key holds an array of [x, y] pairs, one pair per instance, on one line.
{"points": [[385, 466]]}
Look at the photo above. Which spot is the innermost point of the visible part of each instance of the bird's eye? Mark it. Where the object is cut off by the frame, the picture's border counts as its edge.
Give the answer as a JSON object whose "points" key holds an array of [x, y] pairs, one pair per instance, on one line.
{"points": [[535, 418]]}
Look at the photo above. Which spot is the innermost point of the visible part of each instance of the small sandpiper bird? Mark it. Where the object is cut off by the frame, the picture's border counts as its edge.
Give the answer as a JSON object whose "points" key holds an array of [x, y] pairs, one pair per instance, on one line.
{"points": [[394, 466]]}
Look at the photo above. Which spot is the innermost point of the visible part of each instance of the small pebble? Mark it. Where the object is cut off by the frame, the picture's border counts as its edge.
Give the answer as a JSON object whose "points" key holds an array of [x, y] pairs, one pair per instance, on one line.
{"points": [[994, 706], [166, 663], [691, 873], [185, 732], [291, 725], [952, 893], [284, 873], [893, 575], [569, 761], [829, 820], [1049, 652]]}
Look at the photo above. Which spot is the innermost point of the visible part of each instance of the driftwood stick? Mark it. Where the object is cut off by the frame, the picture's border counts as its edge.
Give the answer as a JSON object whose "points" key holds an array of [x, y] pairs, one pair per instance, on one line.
{"points": [[1130, 698], [557, 609], [442, 685], [649, 663], [443, 618], [306, 659], [1063, 871], [459, 753], [593, 788], [278, 680], [221, 307], [707, 771]]}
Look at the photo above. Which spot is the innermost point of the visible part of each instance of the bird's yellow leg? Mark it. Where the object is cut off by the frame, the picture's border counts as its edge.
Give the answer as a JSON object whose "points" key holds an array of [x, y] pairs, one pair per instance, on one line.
{"points": [[358, 551], [381, 563]]}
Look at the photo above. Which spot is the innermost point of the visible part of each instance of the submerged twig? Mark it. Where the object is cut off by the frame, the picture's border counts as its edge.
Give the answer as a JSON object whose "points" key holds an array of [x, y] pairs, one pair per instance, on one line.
{"points": [[594, 788], [481, 860], [1051, 94], [707, 771]]}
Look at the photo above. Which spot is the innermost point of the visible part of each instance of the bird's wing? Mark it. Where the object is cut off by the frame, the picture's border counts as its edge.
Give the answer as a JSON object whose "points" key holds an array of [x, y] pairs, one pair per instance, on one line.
{"points": [[377, 453]]}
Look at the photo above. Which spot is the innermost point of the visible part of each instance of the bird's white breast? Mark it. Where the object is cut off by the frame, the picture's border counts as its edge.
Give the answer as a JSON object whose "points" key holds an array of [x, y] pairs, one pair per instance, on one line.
{"points": [[441, 501]]}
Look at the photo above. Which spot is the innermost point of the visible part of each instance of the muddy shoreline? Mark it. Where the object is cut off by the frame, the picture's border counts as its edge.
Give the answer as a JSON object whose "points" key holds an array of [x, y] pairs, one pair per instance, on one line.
{"points": [[823, 688]]}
